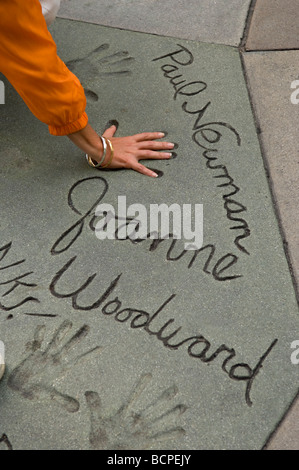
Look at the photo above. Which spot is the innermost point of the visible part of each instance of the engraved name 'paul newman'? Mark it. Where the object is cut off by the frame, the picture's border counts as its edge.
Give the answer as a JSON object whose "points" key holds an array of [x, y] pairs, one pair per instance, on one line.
{"points": [[207, 136]]}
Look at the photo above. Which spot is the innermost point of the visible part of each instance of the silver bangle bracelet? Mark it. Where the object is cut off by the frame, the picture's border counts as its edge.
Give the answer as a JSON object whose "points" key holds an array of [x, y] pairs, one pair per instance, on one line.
{"points": [[89, 159]]}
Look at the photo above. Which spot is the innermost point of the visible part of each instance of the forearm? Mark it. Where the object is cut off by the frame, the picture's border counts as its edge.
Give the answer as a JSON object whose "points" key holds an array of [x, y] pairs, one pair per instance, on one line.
{"points": [[88, 141]]}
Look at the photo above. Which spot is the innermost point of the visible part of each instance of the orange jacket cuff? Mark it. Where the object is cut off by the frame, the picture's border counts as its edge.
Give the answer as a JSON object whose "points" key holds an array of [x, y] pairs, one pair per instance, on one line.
{"points": [[29, 60], [71, 127]]}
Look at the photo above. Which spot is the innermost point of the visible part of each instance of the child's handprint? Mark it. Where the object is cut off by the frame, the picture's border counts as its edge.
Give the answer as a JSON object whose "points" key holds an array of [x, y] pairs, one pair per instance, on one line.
{"points": [[34, 377], [129, 429]]}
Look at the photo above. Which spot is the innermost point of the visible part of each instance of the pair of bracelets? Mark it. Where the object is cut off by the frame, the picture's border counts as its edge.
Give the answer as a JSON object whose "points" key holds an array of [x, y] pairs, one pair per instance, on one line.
{"points": [[111, 153], [104, 143]]}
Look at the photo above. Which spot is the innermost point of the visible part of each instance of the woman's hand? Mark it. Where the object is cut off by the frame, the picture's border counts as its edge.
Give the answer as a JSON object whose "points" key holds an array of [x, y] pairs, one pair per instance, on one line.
{"points": [[127, 150]]}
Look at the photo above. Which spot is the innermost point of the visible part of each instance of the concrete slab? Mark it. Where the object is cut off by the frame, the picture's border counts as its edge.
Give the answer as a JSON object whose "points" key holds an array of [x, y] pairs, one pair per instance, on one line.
{"points": [[220, 21], [286, 436], [271, 78], [274, 25], [182, 350]]}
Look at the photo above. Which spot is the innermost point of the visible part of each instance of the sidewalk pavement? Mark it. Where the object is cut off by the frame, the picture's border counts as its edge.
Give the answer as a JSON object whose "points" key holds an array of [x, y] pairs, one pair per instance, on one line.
{"points": [[221, 78]]}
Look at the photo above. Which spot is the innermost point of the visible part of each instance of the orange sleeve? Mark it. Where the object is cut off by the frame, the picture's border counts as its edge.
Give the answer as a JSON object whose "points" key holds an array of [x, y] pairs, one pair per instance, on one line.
{"points": [[28, 59]]}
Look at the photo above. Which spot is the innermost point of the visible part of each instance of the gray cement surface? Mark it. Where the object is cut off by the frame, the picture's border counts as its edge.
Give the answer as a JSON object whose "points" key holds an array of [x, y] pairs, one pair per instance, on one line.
{"points": [[218, 21], [208, 333], [274, 25]]}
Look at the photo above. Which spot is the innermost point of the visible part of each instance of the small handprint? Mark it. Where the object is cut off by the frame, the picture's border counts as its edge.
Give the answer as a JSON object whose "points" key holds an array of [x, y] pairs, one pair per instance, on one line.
{"points": [[129, 429], [34, 377], [97, 65]]}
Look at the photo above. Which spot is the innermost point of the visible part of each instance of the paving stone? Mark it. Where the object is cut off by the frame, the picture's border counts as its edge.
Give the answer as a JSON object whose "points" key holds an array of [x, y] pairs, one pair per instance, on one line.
{"points": [[271, 75], [274, 25], [199, 339], [286, 436], [220, 21]]}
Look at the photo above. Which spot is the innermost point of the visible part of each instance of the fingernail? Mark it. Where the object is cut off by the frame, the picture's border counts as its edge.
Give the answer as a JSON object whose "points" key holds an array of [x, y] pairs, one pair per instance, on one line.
{"points": [[112, 122], [157, 173], [161, 134]]}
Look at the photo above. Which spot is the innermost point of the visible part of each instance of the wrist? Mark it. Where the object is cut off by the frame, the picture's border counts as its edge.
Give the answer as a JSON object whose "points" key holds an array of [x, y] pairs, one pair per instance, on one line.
{"points": [[106, 156], [93, 146], [88, 141]]}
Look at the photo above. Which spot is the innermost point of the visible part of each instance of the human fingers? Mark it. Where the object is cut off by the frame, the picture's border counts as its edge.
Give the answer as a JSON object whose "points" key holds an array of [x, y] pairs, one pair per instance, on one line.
{"points": [[152, 155], [155, 145], [135, 165], [110, 131], [148, 136]]}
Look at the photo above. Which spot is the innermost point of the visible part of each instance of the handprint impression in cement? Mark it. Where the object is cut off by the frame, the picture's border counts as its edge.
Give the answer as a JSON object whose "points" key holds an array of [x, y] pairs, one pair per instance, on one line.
{"points": [[97, 65], [128, 428], [131, 429], [34, 377]]}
